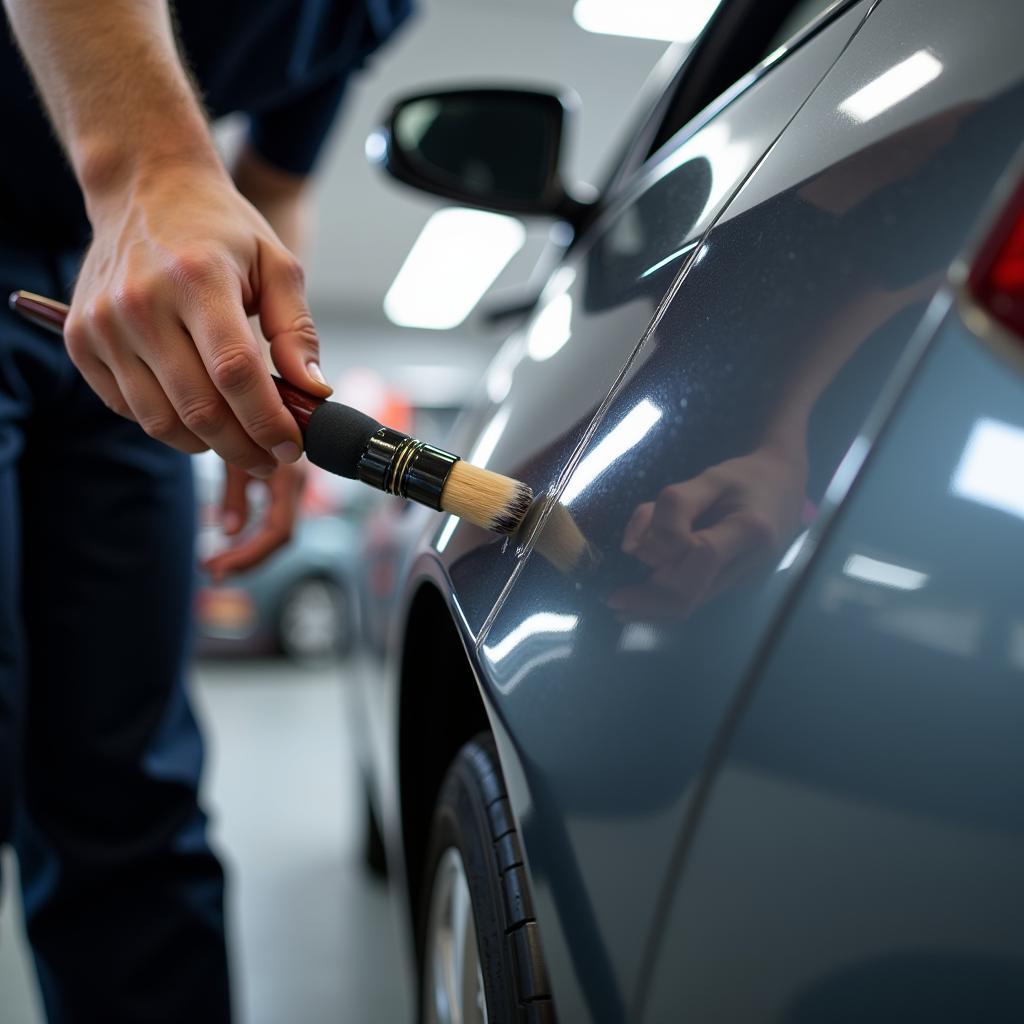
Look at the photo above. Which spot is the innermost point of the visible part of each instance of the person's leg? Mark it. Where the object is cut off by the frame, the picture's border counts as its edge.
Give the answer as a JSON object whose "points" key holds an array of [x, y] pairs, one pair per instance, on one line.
{"points": [[12, 410], [123, 897]]}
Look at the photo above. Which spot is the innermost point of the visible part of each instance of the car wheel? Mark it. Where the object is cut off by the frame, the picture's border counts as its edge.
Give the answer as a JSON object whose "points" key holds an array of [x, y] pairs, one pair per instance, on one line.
{"points": [[480, 955], [312, 624]]}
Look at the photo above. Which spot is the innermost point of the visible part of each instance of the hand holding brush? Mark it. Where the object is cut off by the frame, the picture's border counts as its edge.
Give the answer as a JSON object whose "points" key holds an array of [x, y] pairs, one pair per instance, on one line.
{"points": [[344, 441]]}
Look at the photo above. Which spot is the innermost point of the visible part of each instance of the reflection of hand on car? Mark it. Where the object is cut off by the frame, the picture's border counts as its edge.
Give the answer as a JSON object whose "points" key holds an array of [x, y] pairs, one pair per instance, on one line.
{"points": [[706, 534]]}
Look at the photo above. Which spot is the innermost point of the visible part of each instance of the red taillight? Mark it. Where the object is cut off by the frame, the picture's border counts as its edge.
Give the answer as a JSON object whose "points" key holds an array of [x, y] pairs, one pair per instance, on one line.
{"points": [[997, 277]]}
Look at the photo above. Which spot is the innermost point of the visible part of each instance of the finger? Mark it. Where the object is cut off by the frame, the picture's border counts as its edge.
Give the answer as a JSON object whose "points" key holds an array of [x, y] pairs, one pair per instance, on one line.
{"points": [[287, 323], [716, 562], [152, 409], [669, 535], [104, 383], [637, 526], [235, 502], [689, 580], [183, 378], [214, 316], [275, 531]]}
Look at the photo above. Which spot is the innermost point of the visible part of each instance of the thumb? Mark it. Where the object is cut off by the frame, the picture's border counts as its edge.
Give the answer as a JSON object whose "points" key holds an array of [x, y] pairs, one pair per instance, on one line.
{"points": [[287, 323]]}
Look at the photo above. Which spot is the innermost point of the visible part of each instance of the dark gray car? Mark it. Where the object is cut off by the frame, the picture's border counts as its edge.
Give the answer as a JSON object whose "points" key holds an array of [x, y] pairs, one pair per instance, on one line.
{"points": [[754, 753]]}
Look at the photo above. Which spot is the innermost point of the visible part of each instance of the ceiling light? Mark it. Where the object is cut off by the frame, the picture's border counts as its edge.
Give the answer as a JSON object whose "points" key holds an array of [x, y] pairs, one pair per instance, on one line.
{"points": [[668, 20], [893, 86], [456, 258], [885, 574]]}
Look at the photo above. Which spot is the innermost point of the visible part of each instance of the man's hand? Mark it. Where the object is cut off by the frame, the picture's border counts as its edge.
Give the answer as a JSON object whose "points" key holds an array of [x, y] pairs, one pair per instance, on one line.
{"points": [[158, 323], [707, 534]]}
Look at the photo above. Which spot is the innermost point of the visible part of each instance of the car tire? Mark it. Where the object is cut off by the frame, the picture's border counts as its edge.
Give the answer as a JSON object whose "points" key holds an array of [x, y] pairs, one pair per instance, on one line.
{"points": [[313, 621], [477, 896]]}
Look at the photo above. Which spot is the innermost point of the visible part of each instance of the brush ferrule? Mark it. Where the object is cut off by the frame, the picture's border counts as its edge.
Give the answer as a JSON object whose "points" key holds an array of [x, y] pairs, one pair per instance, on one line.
{"points": [[399, 464]]}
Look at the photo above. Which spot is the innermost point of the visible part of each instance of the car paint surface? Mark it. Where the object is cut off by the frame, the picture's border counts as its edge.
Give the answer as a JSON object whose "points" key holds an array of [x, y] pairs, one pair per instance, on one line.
{"points": [[612, 720], [804, 310], [548, 381], [860, 855]]}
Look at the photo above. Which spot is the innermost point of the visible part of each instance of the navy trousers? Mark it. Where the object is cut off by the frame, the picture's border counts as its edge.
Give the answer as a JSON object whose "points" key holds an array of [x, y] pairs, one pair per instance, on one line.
{"points": [[99, 751]]}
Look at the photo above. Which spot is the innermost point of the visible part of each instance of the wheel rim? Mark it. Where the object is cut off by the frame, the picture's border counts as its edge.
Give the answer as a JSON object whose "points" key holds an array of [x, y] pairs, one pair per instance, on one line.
{"points": [[311, 620], [453, 983]]}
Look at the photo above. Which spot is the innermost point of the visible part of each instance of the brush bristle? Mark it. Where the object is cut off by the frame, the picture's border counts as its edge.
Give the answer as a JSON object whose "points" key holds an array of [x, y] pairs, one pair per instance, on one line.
{"points": [[488, 499], [562, 543]]}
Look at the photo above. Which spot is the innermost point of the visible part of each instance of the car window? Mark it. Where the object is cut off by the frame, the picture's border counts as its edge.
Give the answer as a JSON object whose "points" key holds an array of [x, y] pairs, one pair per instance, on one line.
{"points": [[738, 37], [800, 16]]}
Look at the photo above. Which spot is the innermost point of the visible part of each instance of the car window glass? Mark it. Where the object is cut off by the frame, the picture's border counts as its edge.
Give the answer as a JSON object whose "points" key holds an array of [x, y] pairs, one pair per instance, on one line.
{"points": [[738, 38], [799, 17]]}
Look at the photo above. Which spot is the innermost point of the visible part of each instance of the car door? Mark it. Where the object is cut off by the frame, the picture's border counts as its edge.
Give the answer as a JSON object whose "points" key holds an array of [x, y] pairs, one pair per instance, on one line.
{"points": [[704, 473], [858, 851]]}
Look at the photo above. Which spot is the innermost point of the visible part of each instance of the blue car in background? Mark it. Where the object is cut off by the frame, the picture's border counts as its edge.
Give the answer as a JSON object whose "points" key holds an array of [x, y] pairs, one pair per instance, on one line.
{"points": [[732, 730], [299, 601]]}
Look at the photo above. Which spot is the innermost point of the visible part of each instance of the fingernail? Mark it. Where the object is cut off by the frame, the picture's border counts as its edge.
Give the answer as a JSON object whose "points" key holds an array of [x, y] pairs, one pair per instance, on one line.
{"points": [[263, 472], [313, 369], [231, 521], [286, 451]]}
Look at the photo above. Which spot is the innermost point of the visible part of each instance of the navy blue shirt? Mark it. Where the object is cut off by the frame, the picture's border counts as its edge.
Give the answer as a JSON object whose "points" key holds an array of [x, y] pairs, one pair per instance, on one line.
{"points": [[285, 63]]}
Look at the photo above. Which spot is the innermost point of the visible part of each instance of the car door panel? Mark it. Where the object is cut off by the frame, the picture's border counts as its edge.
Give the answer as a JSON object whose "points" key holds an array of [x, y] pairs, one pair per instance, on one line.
{"points": [[859, 857], [796, 310], [548, 380]]}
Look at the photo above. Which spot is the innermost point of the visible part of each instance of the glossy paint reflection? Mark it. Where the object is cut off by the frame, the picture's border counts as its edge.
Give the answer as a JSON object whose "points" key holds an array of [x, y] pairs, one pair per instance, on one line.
{"points": [[872, 795], [763, 371], [554, 374]]}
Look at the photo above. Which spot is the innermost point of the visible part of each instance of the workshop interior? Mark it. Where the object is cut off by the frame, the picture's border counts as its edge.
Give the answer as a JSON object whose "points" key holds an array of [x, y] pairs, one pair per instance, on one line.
{"points": [[640, 637]]}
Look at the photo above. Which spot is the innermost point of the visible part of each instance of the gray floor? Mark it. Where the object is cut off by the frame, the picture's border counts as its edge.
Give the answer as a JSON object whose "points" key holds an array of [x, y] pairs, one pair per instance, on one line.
{"points": [[314, 939]]}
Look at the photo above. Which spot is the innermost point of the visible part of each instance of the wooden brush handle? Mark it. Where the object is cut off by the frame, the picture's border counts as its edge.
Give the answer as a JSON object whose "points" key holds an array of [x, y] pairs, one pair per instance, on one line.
{"points": [[51, 314]]}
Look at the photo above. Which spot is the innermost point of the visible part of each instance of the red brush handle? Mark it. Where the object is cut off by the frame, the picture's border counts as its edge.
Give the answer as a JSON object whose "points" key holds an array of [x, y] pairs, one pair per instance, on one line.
{"points": [[51, 314]]}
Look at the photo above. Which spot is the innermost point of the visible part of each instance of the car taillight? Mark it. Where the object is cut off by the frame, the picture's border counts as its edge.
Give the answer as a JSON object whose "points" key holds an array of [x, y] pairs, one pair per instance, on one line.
{"points": [[996, 279]]}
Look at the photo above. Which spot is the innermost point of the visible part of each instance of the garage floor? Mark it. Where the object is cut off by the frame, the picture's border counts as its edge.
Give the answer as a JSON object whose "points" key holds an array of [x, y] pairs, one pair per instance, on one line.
{"points": [[315, 939]]}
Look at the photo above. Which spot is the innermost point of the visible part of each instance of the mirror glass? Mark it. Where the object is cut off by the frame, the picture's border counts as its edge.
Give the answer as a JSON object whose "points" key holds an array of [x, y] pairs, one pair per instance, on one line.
{"points": [[494, 147]]}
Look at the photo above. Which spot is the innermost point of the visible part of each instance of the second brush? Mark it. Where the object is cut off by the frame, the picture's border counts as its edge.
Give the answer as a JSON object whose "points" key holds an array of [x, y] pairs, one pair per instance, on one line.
{"points": [[345, 441]]}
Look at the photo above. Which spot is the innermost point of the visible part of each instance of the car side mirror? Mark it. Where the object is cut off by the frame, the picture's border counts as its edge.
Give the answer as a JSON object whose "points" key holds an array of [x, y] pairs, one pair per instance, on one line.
{"points": [[496, 149]]}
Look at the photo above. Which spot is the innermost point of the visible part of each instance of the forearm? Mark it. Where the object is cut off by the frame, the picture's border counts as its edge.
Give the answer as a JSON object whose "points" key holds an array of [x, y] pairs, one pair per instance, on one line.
{"points": [[112, 81]]}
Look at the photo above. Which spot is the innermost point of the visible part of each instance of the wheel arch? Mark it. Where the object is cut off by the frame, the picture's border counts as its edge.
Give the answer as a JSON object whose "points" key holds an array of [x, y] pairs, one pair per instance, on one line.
{"points": [[440, 709]]}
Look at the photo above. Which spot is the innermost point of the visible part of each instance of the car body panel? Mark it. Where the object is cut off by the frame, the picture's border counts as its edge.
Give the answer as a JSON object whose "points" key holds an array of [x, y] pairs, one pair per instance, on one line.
{"points": [[814, 268], [549, 379], [827, 270], [860, 855]]}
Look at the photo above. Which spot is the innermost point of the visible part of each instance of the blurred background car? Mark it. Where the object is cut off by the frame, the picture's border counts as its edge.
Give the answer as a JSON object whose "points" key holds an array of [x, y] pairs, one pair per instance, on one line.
{"points": [[300, 602]]}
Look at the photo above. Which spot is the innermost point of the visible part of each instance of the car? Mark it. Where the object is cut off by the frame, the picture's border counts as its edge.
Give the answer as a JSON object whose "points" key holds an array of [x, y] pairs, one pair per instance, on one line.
{"points": [[730, 731], [299, 601]]}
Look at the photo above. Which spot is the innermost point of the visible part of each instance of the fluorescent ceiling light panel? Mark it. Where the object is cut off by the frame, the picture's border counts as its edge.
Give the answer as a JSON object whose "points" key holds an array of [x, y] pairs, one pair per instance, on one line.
{"points": [[885, 574], [989, 470], [669, 20], [892, 86], [456, 258]]}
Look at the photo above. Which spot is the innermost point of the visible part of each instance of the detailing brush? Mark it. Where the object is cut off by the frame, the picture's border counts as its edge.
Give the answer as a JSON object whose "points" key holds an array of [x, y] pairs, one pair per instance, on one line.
{"points": [[349, 443]]}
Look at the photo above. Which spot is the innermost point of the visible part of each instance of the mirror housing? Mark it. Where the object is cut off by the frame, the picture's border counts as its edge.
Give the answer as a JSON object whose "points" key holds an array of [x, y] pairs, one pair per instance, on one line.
{"points": [[494, 149]]}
